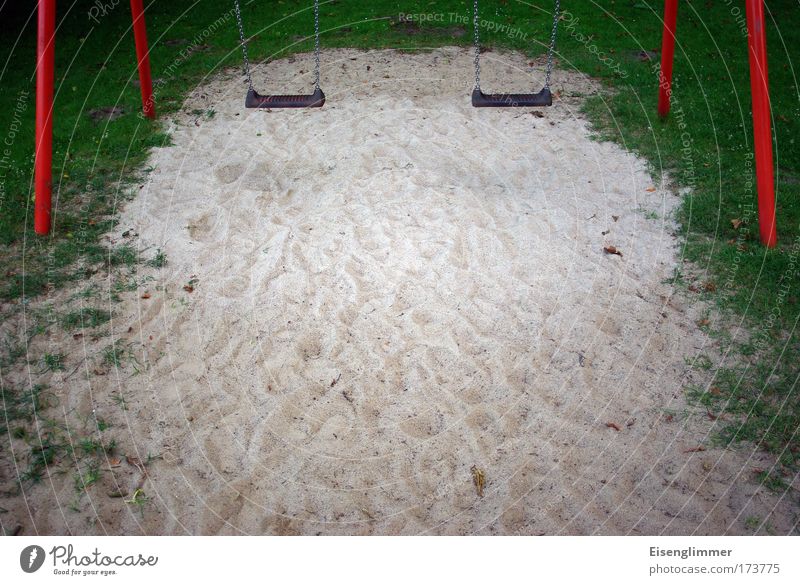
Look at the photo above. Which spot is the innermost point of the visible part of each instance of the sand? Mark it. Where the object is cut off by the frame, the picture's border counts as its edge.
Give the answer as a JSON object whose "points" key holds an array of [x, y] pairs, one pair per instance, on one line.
{"points": [[387, 292]]}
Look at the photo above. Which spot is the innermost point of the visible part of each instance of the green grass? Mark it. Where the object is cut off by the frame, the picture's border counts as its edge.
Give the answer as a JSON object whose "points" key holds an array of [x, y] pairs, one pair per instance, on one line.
{"points": [[88, 317], [706, 144], [53, 362], [159, 260]]}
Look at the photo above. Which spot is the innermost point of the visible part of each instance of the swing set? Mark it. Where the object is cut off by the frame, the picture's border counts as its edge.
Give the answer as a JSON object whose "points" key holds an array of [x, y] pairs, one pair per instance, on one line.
{"points": [[479, 99], [45, 66]]}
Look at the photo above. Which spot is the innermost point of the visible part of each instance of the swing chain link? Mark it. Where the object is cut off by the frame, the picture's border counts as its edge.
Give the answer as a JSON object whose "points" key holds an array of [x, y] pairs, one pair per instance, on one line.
{"points": [[475, 24], [316, 44], [238, 11], [244, 44], [550, 51]]}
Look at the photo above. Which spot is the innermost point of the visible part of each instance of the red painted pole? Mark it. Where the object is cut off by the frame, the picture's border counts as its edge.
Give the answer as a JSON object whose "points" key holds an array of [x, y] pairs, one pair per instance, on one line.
{"points": [[143, 58], [667, 56], [45, 71], [762, 124]]}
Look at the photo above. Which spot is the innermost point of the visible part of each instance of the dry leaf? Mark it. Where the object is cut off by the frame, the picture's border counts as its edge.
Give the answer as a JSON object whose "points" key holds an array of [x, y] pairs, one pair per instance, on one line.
{"points": [[736, 223], [650, 189], [146, 296], [615, 217], [188, 288], [709, 287], [612, 250], [695, 449], [614, 426], [114, 461], [478, 478]]}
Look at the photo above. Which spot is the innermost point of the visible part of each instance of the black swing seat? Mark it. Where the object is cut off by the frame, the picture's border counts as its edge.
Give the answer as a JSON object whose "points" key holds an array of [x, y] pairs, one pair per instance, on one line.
{"points": [[512, 100], [256, 100]]}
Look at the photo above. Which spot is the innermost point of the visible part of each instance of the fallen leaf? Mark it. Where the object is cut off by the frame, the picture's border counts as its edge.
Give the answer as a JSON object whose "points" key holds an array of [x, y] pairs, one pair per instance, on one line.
{"points": [[188, 288], [615, 217], [146, 296], [703, 322], [614, 426], [709, 287], [736, 222], [650, 189], [612, 250], [478, 478], [695, 449], [114, 461], [118, 494]]}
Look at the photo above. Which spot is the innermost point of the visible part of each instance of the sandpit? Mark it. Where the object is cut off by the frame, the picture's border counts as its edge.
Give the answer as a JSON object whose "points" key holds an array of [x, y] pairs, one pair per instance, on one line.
{"points": [[389, 291]]}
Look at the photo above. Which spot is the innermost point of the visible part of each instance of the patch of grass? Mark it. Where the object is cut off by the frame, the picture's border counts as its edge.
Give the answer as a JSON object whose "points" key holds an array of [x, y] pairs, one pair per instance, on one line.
{"points": [[88, 477], [43, 453], [159, 260], [119, 400], [53, 362], [92, 446], [123, 256], [139, 499], [85, 318], [757, 400], [119, 354]]}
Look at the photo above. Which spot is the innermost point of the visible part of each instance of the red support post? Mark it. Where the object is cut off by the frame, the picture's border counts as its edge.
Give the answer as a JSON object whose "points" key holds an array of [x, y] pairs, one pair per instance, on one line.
{"points": [[667, 56], [45, 71], [762, 123], [143, 58]]}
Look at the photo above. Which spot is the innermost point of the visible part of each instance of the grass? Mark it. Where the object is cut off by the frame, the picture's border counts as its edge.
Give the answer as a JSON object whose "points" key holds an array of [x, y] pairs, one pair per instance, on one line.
{"points": [[53, 362], [84, 318], [159, 260], [705, 145]]}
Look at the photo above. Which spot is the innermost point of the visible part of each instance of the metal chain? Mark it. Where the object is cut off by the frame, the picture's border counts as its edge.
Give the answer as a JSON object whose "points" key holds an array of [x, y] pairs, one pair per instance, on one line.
{"points": [[477, 47], [316, 44], [556, 10], [244, 44], [550, 51]]}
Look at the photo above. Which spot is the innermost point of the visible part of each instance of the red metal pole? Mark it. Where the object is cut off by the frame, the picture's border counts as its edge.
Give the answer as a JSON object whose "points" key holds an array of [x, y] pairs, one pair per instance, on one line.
{"points": [[667, 56], [143, 58], [762, 124], [45, 71]]}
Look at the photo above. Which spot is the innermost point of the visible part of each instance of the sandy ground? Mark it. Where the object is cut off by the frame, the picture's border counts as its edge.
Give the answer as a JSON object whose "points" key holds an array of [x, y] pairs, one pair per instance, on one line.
{"points": [[387, 292]]}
